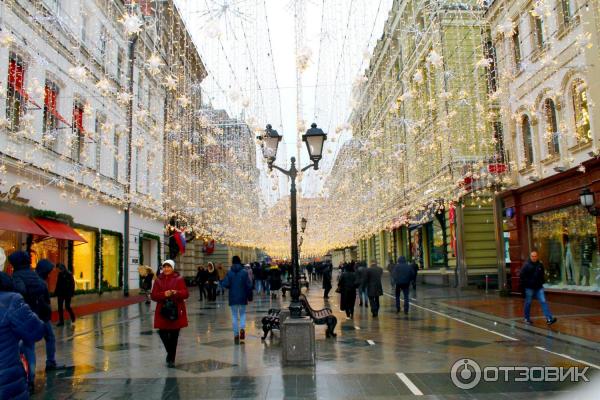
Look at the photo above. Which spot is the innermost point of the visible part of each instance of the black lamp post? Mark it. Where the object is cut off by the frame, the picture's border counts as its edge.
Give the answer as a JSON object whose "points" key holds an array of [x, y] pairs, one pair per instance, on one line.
{"points": [[314, 139]]}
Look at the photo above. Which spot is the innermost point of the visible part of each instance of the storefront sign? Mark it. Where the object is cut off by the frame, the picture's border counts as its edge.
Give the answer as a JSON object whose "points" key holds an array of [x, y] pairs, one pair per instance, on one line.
{"points": [[13, 195]]}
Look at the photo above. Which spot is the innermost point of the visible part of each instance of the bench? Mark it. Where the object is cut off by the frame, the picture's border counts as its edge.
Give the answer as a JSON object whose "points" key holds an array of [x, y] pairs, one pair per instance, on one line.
{"points": [[303, 282], [320, 317], [270, 322]]}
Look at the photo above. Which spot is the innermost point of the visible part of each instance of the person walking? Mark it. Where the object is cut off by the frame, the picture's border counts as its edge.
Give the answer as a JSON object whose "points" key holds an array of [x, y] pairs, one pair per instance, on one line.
{"points": [[169, 293], [403, 274], [274, 280], [264, 274], [65, 289], [201, 279], [248, 269], [347, 285], [221, 272], [415, 268], [327, 276], [147, 277], [361, 276], [374, 287], [239, 285], [212, 280], [256, 272], [17, 323], [532, 281], [35, 292]]}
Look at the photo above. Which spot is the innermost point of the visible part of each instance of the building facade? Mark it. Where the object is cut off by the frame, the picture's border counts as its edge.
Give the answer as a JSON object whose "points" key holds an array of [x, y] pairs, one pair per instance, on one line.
{"points": [[548, 61], [425, 155], [64, 134]]}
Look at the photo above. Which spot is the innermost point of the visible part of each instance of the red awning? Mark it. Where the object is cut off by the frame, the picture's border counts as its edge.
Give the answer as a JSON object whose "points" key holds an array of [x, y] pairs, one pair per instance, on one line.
{"points": [[19, 223], [59, 230]]}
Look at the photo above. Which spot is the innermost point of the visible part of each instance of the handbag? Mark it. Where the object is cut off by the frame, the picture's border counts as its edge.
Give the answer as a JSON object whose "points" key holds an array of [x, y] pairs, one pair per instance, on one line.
{"points": [[169, 310]]}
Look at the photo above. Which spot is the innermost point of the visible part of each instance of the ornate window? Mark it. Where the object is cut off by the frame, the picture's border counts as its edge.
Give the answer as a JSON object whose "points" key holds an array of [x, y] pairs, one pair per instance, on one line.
{"points": [[15, 101], [580, 112], [551, 133], [527, 140], [78, 132], [516, 46]]}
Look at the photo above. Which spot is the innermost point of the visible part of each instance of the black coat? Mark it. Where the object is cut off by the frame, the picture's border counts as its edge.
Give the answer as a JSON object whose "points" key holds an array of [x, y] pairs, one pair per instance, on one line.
{"points": [[403, 273], [201, 277], [373, 281], [65, 285], [361, 276], [327, 278], [275, 278], [532, 275], [34, 291], [212, 277], [348, 283]]}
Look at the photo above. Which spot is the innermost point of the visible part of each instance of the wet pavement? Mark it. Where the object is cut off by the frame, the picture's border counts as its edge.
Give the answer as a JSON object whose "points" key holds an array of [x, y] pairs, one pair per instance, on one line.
{"points": [[117, 355]]}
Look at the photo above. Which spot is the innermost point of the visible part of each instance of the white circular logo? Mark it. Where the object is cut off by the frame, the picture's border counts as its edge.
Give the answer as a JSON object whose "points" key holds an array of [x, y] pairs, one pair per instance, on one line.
{"points": [[465, 373]]}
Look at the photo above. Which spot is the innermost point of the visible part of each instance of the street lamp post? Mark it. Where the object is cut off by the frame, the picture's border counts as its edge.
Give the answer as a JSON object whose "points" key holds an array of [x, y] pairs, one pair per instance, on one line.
{"points": [[314, 139]]}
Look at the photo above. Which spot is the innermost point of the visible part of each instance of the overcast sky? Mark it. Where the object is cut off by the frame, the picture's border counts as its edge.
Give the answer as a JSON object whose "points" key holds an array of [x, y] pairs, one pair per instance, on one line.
{"points": [[249, 48]]}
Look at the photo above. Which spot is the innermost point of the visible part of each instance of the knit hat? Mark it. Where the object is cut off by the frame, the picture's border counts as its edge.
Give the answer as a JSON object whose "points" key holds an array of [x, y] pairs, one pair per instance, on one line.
{"points": [[170, 262], [20, 260]]}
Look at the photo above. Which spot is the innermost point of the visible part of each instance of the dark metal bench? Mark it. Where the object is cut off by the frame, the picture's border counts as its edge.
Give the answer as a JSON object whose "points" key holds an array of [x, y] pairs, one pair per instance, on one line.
{"points": [[270, 322], [288, 285], [320, 317]]}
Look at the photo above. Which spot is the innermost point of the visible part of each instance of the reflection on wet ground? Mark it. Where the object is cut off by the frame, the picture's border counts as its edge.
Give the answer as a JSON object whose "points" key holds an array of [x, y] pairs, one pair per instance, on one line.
{"points": [[117, 355]]}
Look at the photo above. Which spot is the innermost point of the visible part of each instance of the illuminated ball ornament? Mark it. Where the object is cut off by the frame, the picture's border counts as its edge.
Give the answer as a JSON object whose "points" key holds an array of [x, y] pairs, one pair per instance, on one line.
{"points": [[132, 24]]}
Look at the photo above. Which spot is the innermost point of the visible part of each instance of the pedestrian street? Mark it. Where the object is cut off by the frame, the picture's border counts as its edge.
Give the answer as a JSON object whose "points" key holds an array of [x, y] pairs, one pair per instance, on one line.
{"points": [[117, 355]]}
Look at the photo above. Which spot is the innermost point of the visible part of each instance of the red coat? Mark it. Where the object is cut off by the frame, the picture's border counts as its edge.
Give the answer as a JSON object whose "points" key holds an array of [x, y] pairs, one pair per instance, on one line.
{"points": [[161, 285]]}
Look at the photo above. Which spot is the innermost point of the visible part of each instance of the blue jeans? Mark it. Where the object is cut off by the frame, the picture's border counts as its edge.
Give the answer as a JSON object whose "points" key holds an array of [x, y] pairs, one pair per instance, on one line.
{"points": [[28, 350], [238, 314], [362, 296], [539, 295]]}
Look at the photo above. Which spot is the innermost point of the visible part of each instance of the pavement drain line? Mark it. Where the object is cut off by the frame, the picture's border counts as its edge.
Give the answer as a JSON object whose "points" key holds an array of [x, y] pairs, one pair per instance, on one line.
{"points": [[568, 357], [500, 334], [409, 384], [460, 320]]}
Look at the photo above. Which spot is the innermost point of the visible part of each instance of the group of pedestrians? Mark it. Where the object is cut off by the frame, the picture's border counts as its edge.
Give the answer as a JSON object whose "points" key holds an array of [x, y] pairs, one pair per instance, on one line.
{"points": [[367, 281], [357, 278], [25, 318]]}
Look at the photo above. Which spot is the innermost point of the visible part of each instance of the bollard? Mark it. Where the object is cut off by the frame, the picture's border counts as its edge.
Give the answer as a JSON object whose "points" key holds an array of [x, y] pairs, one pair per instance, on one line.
{"points": [[486, 284]]}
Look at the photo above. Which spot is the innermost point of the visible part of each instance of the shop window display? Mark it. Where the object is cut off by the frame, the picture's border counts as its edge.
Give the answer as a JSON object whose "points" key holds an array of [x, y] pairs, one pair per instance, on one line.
{"points": [[567, 244], [435, 233], [9, 242], [84, 261], [110, 261]]}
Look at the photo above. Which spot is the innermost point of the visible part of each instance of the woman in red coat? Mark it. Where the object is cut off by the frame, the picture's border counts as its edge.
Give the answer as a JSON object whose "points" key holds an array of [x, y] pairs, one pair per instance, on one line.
{"points": [[170, 286]]}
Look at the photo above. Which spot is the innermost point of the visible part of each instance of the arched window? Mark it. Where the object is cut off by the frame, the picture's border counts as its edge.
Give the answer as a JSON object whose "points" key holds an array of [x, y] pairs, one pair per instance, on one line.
{"points": [[551, 134], [580, 112], [527, 140]]}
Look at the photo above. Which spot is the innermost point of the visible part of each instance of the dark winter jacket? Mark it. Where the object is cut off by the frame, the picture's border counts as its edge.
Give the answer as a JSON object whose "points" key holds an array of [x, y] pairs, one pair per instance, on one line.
{"points": [[403, 273], [239, 285], [275, 278], [201, 276], [361, 276], [30, 285], [17, 322], [65, 285], [327, 275], [162, 284], [348, 283], [212, 276], [373, 281], [532, 275]]}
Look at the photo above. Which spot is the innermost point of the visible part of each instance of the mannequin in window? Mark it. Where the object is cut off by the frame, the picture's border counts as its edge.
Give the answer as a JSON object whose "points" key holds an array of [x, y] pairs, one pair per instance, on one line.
{"points": [[588, 246], [568, 259]]}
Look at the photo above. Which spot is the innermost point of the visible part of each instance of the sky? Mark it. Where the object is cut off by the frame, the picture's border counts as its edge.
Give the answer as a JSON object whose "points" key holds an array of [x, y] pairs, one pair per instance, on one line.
{"points": [[251, 53]]}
